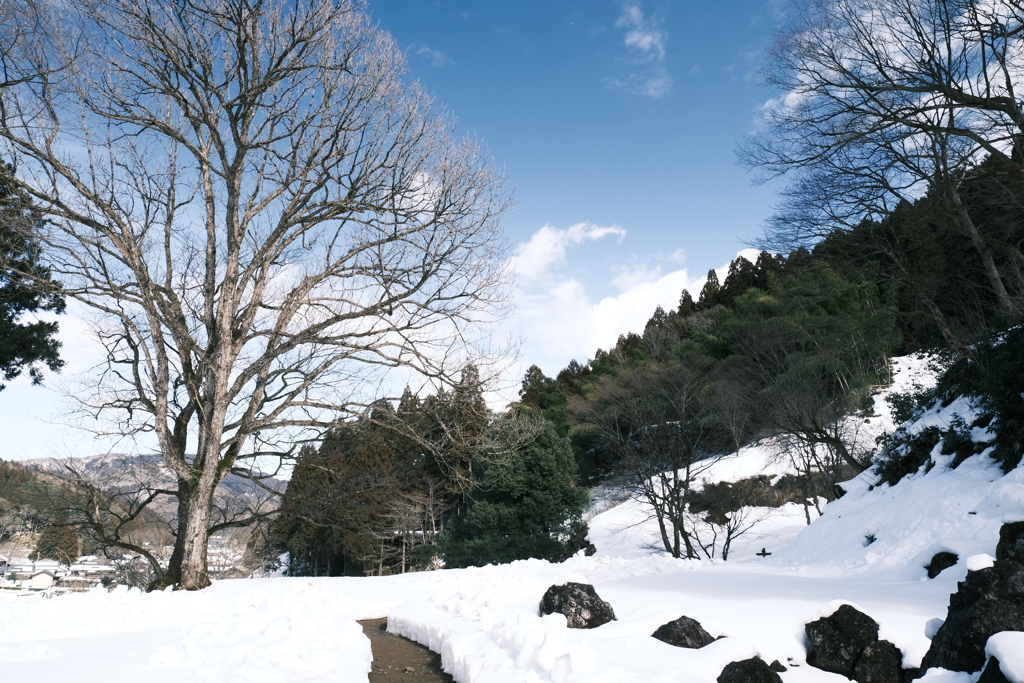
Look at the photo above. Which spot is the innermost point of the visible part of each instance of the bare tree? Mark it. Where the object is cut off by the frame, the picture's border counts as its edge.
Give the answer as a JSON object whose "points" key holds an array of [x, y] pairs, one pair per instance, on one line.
{"points": [[716, 529], [659, 420], [265, 217], [882, 100]]}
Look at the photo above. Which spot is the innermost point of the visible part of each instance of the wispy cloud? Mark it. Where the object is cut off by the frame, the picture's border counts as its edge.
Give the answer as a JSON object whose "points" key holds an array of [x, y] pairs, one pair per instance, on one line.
{"points": [[433, 57], [547, 246], [645, 72]]}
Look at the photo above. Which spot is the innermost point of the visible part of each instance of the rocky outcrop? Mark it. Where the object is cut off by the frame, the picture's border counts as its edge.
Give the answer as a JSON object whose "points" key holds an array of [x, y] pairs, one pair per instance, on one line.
{"points": [[846, 643], [880, 662], [1011, 543], [838, 640], [753, 670], [684, 632], [992, 673], [941, 561], [988, 601], [579, 603]]}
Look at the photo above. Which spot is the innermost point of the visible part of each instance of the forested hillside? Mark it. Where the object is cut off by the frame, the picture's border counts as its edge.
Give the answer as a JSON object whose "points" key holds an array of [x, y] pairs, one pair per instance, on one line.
{"points": [[786, 348]]}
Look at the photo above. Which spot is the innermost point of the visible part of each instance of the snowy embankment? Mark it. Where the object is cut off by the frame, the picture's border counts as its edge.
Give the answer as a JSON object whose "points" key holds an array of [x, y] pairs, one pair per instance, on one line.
{"points": [[485, 621]]}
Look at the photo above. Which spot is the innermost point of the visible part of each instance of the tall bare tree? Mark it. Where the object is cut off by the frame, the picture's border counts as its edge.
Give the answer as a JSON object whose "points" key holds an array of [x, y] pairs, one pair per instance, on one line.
{"points": [[660, 424], [881, 100], [265, 217]]}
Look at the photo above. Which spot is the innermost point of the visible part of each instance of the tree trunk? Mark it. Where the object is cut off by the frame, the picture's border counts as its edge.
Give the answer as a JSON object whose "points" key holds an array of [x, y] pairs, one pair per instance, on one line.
{"points": [[1006, 305], [194, 534], [843, 452]]}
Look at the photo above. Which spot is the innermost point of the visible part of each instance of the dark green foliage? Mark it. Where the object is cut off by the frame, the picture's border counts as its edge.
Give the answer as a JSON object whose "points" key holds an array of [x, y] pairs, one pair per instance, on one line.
{"points": [[58, 541], [906, 406], [686, 305], [25, 287], [709, 294], [905, 454], [548, 397], [377, 492], [994, 378], [791, 345], [725, 497], [932, 270], [335, 513], [525, 505]]}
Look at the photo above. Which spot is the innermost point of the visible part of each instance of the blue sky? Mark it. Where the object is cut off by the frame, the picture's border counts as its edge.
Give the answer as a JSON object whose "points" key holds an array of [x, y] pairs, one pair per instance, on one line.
{"points": [[619, 115], [590, 128], [616, 123]]}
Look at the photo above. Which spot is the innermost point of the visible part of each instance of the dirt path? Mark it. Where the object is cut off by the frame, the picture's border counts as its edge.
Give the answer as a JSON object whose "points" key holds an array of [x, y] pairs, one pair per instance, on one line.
{"points": [[397, 659]]}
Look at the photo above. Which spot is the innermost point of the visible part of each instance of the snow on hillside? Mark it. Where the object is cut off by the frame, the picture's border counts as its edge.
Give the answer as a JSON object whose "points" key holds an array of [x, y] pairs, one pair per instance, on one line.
{"points": [[958, 510], [485, 621]]}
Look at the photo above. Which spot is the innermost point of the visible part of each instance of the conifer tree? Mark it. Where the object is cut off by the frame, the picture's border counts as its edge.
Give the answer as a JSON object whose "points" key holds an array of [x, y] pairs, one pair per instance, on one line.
{"points": [[25, 288], [709, 293], [525, 505]]}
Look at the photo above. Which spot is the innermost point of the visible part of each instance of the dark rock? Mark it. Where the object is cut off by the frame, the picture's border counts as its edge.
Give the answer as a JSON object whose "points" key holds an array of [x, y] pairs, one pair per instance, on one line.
{"points": [[838, 640], [993, 673], [579, 603], [753, 670], [880, 662], [909, 675], [986, 602], [684, 632], [1011, 543], [941, 561], [838, 491], [778, 667]]}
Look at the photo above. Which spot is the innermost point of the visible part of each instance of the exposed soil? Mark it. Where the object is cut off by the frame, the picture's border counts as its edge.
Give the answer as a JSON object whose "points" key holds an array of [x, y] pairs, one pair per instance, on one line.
{"points": [[397, 659]]}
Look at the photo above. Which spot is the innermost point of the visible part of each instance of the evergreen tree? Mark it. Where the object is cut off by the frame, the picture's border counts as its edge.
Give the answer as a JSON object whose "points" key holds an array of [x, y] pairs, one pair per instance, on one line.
{"points": [[25, 287], [686, 305], [709, 293], [524, 505], [58, 541]]}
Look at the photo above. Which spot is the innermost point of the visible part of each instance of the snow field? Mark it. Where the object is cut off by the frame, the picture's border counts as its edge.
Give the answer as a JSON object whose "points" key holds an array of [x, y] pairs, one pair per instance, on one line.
{"points": [[234, 632], [485, 623]]}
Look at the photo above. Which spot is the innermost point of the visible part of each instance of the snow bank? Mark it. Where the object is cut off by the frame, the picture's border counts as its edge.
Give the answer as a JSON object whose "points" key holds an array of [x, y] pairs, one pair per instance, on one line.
{"points": [[1008, 648], [236, 631]]}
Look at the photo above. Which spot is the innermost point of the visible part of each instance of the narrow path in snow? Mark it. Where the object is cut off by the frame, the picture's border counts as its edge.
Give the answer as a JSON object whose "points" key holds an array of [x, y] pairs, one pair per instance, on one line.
{"points": [[397, 659]]}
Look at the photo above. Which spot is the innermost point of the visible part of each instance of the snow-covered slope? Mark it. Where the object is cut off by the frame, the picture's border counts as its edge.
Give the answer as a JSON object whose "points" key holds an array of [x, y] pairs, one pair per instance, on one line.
{"points": [[485, 622]]}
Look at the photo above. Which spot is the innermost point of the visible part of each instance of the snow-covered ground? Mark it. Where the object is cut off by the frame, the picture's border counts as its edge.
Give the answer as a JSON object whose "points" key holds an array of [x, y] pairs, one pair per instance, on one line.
{"points": [[485, 622]]}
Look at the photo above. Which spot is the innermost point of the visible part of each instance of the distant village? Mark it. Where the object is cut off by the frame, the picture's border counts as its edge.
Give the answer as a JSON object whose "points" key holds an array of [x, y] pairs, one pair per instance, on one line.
{"points": [[21, 573]]}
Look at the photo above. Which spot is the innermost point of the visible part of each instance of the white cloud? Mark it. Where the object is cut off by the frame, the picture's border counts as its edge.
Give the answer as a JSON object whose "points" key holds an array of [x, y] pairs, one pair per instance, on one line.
{"points": [[435, 57], [642, 32], [645, 40], [561, 317], [534, 259]]}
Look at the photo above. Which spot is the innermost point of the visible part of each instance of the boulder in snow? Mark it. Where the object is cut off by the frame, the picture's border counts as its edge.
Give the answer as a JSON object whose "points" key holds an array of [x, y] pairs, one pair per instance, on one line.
{"points": [[579, 603], [838, 640], [846, 643], [941, 561], [753, 670], [987, 602], [993, 673], [684, 632], [1011, 543], [880, 662]]}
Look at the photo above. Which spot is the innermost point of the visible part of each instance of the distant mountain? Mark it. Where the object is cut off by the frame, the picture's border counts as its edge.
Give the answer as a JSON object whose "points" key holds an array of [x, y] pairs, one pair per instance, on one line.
{"points": [[123, 472]]}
